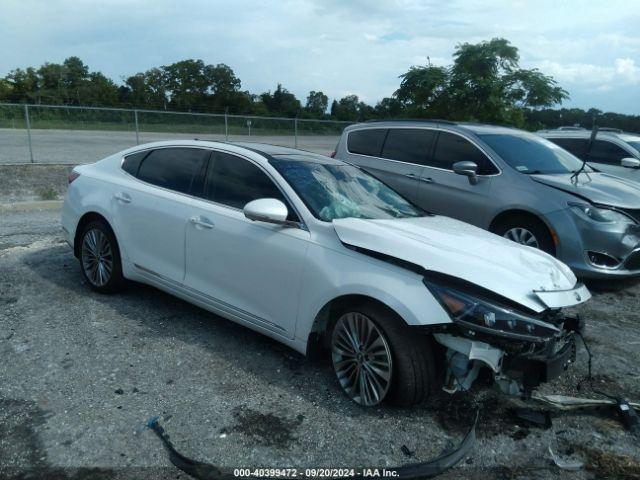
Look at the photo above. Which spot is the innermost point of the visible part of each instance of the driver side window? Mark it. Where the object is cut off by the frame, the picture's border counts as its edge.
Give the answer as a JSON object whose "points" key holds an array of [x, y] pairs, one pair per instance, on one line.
{"points": [[452, 148], [234, 181], [604, 151]]}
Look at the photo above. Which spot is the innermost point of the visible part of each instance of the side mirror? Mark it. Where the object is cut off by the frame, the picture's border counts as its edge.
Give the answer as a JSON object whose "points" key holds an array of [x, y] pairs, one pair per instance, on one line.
{"points": [[269, 210], [468, 169], [630, 162]]}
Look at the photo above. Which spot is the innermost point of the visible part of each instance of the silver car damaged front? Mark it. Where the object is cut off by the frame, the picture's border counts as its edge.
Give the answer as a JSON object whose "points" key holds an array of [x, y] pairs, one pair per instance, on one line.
{"points": [[504, 299]]}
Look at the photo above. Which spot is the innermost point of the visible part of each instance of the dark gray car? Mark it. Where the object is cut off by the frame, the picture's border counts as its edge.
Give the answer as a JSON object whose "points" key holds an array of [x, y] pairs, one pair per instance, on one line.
{"points": [[614, 152], [511, 182]]}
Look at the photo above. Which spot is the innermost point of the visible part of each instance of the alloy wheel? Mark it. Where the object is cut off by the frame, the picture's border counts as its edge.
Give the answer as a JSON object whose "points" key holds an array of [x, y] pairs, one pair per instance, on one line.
{"points": [[361, 359], [97, 257], [522, 236]]}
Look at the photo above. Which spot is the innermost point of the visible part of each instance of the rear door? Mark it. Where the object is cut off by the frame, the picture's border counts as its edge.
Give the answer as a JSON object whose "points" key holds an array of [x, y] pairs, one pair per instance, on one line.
{"points": [[251, 270], [396, 155], [151, 212], [446, 193]]}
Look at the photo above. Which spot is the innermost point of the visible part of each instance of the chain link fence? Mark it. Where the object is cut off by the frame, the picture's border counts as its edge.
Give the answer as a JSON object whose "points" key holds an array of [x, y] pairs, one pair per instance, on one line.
{"points": [[69, 134]]}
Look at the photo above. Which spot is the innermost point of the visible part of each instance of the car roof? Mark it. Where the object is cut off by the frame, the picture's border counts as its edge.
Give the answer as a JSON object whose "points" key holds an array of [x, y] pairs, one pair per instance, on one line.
{"points": [[587, 134], [265, 150], [288, 153], [477, 128]]}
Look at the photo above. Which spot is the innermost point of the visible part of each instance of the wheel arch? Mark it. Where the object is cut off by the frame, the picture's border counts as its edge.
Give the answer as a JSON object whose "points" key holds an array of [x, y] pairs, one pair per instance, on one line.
{"points": [[317, 340], [520, 212], [84, 220]]}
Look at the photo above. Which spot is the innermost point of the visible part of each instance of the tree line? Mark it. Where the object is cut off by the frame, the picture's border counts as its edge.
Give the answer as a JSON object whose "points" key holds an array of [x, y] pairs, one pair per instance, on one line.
{"points": [[484, 83]]}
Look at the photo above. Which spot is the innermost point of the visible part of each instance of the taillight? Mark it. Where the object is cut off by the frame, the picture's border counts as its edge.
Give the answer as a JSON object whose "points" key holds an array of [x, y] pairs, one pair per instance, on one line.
{"points": [[72, 176], [333, 154]]}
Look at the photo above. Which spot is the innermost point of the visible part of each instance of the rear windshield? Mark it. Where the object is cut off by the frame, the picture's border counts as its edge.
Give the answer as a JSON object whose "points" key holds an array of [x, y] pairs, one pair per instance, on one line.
{"points": [[530, 154]]}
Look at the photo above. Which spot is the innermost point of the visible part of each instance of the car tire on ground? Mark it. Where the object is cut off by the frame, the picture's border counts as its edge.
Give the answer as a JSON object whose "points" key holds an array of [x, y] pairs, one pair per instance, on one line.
{"points": [[526, 231], [376, 357], [100, 258]]}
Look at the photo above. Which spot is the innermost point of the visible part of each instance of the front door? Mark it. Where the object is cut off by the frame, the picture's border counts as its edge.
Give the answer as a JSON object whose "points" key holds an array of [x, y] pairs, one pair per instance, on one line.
{"points": [[251, 270], [446, 193]]}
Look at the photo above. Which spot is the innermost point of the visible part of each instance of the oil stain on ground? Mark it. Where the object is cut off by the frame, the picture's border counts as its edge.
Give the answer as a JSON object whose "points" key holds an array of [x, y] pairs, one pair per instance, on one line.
{"points": [[265, 429]]}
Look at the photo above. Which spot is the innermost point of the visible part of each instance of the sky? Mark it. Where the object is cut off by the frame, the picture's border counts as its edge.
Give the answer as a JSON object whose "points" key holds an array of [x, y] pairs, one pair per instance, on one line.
{"points": [[342, 47]]}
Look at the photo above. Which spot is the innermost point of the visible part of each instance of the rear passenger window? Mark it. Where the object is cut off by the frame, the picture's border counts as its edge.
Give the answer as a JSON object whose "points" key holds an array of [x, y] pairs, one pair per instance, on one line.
{"points": [[234, 181], [576, 146], [603, 151], [132, 162], [411, 145], [366, 142], [451, 148], [173, 168]]}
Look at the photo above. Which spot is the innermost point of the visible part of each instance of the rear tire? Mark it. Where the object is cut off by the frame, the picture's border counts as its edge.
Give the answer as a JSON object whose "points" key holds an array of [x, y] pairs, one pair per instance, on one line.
{"points": [[409, 357], [100, 258], [526, 231]]}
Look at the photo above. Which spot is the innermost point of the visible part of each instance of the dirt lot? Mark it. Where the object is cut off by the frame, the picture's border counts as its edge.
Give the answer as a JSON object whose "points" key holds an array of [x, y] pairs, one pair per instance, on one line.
{"points": [[82, 373]]}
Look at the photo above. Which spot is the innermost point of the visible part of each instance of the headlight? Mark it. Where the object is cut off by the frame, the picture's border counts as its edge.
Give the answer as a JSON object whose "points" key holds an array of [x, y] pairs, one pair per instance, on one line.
{"points": [[486, 316], [598, 214]]}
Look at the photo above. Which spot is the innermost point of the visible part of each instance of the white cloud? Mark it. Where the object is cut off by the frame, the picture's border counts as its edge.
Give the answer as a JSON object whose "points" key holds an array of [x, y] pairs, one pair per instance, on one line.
{"points": [[627, 68], [358, 46]]}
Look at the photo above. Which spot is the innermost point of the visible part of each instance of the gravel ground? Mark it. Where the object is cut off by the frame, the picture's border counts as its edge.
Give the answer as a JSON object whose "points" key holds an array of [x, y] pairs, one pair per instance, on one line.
{"points": [[87, 146], [83, 372]]}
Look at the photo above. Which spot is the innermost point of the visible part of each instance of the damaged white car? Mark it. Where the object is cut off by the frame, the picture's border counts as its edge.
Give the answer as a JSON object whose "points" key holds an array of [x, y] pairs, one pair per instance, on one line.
{"points": [[322, 256]]}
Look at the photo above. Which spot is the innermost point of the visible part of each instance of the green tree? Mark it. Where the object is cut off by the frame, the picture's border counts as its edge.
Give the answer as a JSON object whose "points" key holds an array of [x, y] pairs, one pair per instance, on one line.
{"points": [[423, 90], [317, 103], [187, 84], [6, 90], [23, 85], [389, 107], [281, 102], [347, 108], [484, 83]]}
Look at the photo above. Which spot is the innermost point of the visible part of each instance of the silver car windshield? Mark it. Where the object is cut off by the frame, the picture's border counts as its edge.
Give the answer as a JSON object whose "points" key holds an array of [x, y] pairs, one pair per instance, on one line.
{"points": [[333, 191], [531, 154]]}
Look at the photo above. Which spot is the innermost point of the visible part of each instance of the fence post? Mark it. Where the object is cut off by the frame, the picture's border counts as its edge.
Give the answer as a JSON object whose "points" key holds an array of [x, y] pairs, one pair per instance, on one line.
{"points": [[226, 124], [295, 131], [135, 118], [26, 121]]}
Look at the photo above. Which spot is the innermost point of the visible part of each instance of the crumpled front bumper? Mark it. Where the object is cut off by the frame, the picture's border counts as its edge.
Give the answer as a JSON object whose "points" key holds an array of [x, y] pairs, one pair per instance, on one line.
{"points": [[592, 250], [518, 367], [532, 370]]}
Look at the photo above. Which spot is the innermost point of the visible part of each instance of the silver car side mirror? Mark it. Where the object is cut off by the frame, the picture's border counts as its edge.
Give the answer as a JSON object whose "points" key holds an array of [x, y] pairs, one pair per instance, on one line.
{"points": [[630, 162], [270, 210], [468, 169]]}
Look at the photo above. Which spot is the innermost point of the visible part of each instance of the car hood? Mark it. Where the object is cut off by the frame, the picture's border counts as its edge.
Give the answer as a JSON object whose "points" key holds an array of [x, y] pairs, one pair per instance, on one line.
{"points": [[597, 187], [448, 246]]}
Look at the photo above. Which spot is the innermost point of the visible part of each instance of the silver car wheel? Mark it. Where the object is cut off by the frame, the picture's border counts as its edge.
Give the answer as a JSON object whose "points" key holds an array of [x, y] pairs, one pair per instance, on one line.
{"points": [[522, 236], [361, 359], [97, 257]]}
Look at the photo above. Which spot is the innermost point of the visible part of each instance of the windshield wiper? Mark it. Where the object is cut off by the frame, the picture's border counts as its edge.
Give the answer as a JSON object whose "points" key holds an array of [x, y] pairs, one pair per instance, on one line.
{"points": [[594, 133], [533, 172]]}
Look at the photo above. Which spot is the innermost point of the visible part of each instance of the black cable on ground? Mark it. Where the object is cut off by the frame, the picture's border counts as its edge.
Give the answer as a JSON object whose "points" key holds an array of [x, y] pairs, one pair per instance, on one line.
{"points": [[589, 377]]}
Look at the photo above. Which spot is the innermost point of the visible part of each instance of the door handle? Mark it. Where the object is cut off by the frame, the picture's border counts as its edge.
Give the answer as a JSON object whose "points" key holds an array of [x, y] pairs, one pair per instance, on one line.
{"points": [[122, 197], [411, 175], [201, 222], [428, 180]]}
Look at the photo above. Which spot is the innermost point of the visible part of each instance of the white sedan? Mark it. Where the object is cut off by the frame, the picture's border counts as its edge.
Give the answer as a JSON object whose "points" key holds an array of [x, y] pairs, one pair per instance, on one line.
{"points": [[322, 256]]}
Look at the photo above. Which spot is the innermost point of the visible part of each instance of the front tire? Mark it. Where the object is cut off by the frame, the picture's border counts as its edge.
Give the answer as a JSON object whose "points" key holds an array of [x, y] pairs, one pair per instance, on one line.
{"points": [[377, 358], [527, 231], [100, 258]]}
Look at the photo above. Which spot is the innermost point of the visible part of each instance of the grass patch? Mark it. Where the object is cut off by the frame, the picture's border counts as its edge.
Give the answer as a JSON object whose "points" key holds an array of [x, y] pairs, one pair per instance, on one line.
{"points": [[47, 193]]}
